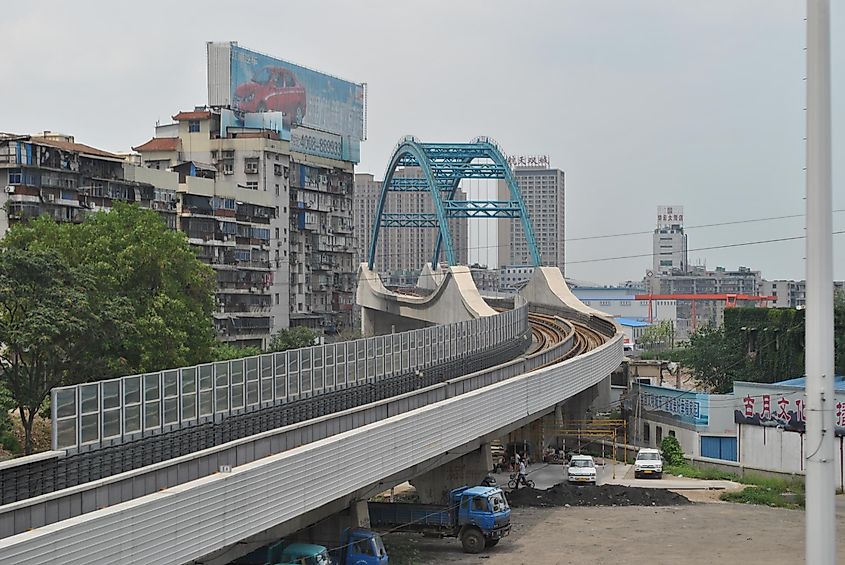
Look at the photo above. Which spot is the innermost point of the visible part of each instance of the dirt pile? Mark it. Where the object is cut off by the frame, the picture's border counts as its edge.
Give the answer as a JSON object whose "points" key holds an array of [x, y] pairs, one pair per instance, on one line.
{"points": [[563, 494]]}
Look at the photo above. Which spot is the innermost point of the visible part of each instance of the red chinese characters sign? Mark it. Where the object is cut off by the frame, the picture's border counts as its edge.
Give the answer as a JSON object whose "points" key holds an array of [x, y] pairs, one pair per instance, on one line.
{"points": [[785, 408]]}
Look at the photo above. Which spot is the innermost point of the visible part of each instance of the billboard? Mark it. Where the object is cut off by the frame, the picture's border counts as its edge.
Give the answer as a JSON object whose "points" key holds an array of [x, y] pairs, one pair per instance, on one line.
{"points": [[684, 405], [253, 83], [779, 406], [668, 216]]}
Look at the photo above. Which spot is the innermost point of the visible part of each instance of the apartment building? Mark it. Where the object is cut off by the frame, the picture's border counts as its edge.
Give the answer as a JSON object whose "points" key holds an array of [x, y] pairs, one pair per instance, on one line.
{"points": [[274, 222], [233, 206], [698, 280], [791, 293], [51, 174], [544, 194], [401, 250], [322, 244]]}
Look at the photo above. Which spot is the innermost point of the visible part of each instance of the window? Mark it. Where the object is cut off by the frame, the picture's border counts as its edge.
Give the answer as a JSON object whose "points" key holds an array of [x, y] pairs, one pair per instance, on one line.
{"points": [[251, 185], [671, 433], [15, 176], [228, 167], [646, 433], [658, 432], [251, 166], [193, 126], [277, 170]]}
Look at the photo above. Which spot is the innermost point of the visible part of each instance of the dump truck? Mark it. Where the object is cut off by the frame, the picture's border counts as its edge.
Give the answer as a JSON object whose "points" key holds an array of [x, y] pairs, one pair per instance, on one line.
{"points": [[357, 546], [478, 516]]}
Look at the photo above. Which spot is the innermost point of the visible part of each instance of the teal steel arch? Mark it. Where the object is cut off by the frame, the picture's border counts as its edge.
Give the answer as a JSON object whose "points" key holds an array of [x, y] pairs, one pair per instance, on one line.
{"points": [[443, 166]]}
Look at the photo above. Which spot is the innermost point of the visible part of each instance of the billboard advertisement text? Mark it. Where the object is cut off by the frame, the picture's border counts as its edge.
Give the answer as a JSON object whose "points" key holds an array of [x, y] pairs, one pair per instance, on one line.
{"points": [[258, 83]]}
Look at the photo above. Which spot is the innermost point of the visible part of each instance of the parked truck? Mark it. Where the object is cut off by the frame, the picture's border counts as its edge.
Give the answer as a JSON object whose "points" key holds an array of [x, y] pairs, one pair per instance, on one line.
{"points": [[478, 516], [357, 546]]}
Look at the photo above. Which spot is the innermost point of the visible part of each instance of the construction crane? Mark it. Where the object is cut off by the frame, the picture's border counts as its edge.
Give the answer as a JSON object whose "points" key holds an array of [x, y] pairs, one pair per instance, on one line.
{"points": [[731, 301]]}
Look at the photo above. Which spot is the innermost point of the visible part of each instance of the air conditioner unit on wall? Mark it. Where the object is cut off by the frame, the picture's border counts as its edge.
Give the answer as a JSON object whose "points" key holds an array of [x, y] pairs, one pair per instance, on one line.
{"points": [[10, 189]]}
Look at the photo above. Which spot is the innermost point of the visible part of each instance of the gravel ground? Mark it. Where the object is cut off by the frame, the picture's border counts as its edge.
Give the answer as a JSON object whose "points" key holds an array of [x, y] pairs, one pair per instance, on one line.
{"points": [[691, 534]]}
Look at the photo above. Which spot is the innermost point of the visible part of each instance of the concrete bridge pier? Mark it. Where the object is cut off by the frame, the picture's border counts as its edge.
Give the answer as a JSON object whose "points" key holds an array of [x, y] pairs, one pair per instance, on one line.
{"points": [[327, 531], [469, 469]]}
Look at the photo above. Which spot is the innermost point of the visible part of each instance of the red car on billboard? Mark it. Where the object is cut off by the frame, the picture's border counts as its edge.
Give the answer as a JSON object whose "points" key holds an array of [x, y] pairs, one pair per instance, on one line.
{"points": [[273, 89]]}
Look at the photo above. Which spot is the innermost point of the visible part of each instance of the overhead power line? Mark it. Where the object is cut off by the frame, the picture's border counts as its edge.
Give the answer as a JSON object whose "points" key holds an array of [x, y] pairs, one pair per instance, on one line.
{"points": [[724, 246], [717, 224]]}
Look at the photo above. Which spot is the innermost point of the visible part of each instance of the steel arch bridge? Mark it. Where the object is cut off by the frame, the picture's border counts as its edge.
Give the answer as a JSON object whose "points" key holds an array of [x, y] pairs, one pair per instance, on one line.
{"points": [[443, 166]]}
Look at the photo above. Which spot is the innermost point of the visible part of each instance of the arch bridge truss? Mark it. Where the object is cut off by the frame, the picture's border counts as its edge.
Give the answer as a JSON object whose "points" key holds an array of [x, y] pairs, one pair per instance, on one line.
{"points": [[442, 167]]}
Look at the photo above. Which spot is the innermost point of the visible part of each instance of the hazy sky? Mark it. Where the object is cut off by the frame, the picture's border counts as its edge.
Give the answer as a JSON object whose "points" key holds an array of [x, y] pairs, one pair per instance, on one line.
{"points": [[640, 102]]}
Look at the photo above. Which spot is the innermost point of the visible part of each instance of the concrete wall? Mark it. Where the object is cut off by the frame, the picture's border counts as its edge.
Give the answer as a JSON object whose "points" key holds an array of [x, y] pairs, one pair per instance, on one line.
{"points": [[456, 299]]}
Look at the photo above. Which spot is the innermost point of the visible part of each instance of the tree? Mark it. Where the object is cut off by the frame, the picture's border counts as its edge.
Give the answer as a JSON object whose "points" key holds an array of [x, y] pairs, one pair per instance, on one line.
{"points": [[156, 297], [292, 338], [47, 324], [657, 336], [227, 351], [715, 358]]}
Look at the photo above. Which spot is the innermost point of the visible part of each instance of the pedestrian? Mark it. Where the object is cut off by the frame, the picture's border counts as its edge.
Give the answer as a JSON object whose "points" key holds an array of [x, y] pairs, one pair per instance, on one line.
{"points": [[520, 479]]}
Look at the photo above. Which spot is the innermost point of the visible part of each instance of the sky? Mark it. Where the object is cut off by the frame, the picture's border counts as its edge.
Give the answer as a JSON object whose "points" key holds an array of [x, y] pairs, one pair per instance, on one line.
{"points": [[640, 102]]}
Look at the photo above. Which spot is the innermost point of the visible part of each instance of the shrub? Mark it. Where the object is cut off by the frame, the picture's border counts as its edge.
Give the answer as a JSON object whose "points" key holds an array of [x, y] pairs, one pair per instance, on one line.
{"points": [[672, 452]]}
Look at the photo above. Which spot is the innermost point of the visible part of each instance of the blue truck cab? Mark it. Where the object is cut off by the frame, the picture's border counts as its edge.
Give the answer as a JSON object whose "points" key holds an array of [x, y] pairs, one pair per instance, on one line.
{"points": [[357, 546], [478, 516], [484, 508]]}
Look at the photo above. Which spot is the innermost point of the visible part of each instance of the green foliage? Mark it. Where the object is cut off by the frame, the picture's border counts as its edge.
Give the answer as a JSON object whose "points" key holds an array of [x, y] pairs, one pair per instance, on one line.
{"points": [[708, 473], [765, 496], [771, 341], [762, 345], [714, 358], [671, 450], [49, 324], [658, 336], [677, 355], [227, 351], [8, 441], [154, 296], [292, 338], [762, 489]]}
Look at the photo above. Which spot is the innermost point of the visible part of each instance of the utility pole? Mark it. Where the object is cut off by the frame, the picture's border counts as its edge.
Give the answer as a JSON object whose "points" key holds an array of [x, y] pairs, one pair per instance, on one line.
{"points": [[821, 511]]}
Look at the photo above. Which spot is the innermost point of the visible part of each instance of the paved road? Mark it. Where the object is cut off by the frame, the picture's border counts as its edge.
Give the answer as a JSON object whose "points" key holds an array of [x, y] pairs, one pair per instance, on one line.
{"points": [[546, 476]]}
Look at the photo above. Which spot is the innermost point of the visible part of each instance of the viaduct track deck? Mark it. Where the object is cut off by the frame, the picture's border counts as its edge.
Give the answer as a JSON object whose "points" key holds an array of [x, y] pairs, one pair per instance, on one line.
{"points": [[51, 475]]}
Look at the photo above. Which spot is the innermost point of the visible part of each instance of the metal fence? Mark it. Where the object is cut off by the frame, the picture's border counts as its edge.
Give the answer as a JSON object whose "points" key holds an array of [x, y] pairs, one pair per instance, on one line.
{"points": [[97, 414]]}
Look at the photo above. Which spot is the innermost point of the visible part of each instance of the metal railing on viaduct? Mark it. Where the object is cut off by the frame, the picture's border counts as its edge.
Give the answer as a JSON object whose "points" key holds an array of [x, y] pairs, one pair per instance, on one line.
{"points": [[334, 454]]}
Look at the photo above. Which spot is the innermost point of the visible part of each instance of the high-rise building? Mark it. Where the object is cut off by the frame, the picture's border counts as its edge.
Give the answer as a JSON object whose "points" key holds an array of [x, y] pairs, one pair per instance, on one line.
{"points": [[234, 209], [543, 191], [275, 223], [323, 269], [669, 241], [401, 250]]}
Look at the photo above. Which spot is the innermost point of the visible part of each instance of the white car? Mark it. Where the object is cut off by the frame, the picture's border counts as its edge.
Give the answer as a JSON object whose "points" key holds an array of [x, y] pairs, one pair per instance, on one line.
{"points": [[648, 464], [581, 469]]}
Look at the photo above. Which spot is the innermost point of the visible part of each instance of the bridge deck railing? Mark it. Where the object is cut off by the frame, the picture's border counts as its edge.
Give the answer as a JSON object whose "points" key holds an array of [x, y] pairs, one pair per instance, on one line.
{"points": [[108, 412]]}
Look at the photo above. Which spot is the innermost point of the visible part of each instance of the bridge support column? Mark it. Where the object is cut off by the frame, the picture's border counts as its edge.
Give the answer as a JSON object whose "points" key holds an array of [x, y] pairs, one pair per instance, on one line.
{"points": [[359, 514], [327, 531], [433, 487]]}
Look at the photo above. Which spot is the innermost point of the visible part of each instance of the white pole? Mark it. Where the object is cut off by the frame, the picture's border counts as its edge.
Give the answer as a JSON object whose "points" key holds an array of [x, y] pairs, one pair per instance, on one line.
{"points": [[821, 512]]}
